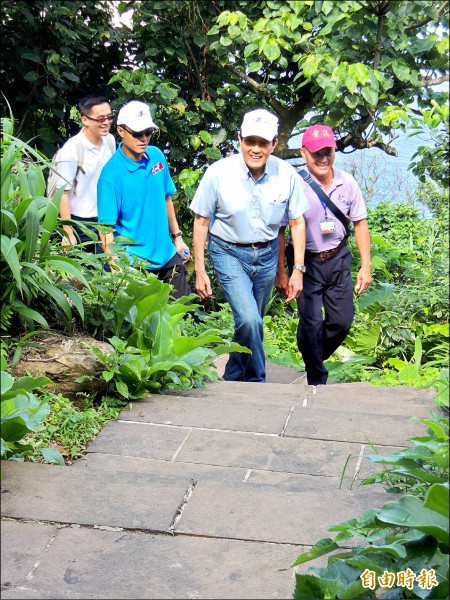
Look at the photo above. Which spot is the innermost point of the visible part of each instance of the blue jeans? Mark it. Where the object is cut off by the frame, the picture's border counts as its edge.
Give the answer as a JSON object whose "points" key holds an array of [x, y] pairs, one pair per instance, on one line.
{"points": [[247, 276]]}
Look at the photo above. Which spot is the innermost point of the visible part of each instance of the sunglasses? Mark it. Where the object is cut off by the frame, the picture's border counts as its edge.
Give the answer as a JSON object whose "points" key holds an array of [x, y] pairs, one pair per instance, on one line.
{"points": [[101, 119], [138, 134]]}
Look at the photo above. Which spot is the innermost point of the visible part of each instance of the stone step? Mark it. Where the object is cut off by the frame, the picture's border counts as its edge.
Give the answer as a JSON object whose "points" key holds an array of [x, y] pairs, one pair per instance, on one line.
{"points": [[233, 504], [244, 450]]}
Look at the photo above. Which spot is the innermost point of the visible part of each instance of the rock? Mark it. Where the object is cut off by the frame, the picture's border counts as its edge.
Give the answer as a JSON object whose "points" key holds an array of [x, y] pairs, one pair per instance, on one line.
{"points": [[63, 359]]}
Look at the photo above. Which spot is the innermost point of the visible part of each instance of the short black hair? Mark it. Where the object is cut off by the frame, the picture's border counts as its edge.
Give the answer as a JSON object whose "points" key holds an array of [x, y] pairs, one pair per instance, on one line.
{"points": [[87, 103]]}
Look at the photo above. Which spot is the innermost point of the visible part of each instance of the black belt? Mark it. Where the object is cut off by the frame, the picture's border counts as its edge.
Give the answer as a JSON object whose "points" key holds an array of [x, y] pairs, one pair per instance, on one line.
{"points": [[254, 244], [251, 245], [326, 254], [89, 219]]}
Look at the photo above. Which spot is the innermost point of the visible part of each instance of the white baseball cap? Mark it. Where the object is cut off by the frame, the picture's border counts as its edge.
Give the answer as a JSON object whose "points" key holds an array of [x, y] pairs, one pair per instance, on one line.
{"points": [[260, 122], [135, 115]]}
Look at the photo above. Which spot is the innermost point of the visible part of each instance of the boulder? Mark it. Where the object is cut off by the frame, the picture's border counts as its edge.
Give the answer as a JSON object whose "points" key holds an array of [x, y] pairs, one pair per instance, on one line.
{"points": [[63, 359]]}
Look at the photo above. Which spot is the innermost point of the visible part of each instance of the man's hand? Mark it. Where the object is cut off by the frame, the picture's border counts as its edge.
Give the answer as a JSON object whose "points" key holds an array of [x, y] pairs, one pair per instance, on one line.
{"points": [[180, 246], [203, 286], [69, 239], [295, 286], [363, 280], [282, 282]]}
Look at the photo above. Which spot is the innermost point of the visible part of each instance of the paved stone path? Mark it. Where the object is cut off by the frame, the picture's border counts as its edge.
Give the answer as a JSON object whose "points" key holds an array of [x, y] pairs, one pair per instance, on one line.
{"points": [[208, 493]]}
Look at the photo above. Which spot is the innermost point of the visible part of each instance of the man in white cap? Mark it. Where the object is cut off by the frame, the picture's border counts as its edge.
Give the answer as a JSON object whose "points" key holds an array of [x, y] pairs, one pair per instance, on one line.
{"points": [[134, 196], [240, 202]]}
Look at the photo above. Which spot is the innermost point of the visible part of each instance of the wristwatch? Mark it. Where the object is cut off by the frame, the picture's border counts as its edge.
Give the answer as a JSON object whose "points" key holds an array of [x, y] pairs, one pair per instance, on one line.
{"points": [[175, 235], [301, 268]]}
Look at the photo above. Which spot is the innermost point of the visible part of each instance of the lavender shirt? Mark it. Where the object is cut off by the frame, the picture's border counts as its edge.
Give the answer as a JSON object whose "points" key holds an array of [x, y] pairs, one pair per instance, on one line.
{"points": [[347, 196]]}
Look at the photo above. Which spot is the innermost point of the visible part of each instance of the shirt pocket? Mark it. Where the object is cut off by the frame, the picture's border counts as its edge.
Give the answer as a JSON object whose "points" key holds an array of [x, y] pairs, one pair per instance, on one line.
{"points": [[276, 211]]}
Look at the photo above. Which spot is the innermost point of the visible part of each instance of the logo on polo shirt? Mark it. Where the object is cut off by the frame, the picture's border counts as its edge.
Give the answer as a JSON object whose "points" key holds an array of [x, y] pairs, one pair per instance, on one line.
{"points": [[157, 168]]}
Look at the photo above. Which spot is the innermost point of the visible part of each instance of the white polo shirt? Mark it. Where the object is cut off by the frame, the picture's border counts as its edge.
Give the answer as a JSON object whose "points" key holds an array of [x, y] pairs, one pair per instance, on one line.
{"points": [[83, 203]]}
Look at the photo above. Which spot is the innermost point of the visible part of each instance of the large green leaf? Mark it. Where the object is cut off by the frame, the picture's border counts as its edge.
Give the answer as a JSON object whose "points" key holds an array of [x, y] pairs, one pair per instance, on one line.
{"points": [[7, 381], [437, 499], [410, 512], [9, 254], [31, 232], [69, 266]]}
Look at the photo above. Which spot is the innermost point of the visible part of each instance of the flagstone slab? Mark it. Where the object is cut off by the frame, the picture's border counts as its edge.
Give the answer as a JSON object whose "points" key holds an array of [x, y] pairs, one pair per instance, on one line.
{"points": [[101, 498], [366, 398], [273, 508], [139, 439], [22, 543], [87, 563], [327, 424], [228, 413], [292, 455]]}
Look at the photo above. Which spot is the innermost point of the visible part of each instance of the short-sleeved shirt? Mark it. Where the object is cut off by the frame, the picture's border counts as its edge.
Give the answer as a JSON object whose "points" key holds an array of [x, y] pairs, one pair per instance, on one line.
{"points": [[132, 197], [83, 203], [245, 211], [346, 195]]}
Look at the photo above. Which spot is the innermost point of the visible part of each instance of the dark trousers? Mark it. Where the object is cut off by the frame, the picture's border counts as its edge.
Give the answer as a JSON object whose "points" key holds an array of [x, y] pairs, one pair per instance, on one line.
{"points": [[174, 273], [326, 310]]}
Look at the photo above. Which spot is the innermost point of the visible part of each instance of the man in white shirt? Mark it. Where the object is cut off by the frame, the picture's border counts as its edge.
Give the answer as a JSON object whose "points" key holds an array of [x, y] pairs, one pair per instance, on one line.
{"points": [[241, 202], [95, 146]]}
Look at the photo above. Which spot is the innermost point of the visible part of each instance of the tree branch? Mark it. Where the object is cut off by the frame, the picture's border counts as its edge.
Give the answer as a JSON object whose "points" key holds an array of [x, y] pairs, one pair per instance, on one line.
{"points": [[443, 6], [429, 81]]}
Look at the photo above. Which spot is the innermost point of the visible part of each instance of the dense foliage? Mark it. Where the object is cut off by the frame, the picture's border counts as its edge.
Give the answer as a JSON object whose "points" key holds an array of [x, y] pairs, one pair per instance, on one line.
{"points": [[406, 535]]}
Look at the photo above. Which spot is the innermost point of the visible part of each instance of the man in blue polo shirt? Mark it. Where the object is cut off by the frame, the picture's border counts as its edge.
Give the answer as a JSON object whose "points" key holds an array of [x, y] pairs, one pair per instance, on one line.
{"points": [[134, 196], [240, 202]]}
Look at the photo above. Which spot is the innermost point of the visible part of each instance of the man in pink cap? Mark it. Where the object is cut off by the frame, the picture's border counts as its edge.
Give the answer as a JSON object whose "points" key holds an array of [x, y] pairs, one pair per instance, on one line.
{"points": [[326, 306]]}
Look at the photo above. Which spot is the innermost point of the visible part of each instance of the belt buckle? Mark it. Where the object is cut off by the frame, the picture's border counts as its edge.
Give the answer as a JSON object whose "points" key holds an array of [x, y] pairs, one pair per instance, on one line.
{"points": [[322, 255]]}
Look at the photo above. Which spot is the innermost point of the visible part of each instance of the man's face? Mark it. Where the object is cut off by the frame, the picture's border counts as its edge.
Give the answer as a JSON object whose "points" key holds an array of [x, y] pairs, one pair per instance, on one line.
{"points": [[91, 122], [319, 163], [256, 151], [134, 144]]}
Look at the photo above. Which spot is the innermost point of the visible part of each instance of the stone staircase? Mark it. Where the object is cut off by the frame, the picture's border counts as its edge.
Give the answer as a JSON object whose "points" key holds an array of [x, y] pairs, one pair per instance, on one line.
{"points": [[206, 493]]}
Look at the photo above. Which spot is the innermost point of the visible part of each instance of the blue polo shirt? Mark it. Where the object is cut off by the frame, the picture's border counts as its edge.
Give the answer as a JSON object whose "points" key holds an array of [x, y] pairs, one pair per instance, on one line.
{"points": [[131, 197], [246, 211]]}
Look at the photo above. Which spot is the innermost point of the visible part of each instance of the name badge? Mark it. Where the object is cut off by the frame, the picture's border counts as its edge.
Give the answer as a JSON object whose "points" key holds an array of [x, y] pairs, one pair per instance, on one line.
{"points": [[327, 226]]}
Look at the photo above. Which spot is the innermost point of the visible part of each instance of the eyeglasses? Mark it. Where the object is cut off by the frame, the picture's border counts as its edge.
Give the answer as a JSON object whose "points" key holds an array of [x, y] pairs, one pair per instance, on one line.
{"points": [[138, 134], [101, 119]]}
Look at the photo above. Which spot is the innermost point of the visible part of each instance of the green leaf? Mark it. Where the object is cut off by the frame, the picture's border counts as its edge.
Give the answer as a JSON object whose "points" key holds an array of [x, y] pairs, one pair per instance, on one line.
{"points": [[254, 66], [49, 92], [410, 512], [52, 455], [437, 499], [271, 50], [401, 71], [370, 96], [7, 381], [31, 231], [310, 586], [122, 388], [319, 549]]}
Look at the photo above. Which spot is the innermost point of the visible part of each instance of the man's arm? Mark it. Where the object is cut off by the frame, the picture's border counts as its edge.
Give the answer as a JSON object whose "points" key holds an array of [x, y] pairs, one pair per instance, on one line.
{"points": [[281, 278], [64, 213], [106, 240], [298, 234], [362, 236], [174, 227], [202, 282]]}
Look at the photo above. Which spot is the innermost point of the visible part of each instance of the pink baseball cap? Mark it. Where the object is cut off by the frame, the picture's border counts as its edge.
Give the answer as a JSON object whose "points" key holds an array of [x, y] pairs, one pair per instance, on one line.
{"points": [[317, 137]]}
